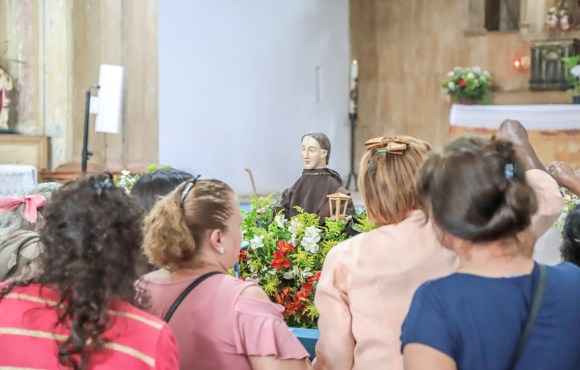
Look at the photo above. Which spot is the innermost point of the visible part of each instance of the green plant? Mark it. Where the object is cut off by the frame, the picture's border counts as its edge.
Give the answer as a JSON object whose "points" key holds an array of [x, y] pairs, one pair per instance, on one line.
{"points": [[573, 66], [286, 256], [469, 83]]}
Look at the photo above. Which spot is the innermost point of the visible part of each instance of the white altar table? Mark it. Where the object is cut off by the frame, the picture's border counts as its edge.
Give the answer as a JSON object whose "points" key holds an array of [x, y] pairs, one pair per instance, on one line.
{"points": [[533, 117]]}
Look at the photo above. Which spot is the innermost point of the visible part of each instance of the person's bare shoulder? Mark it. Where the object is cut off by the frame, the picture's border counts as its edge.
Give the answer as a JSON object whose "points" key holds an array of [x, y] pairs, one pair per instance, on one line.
{"points": [[255, 291]]}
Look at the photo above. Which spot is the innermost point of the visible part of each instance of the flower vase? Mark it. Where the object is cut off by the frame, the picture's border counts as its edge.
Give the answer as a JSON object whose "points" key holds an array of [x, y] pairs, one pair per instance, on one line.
{"points": [[576, 99], [467, 101]]}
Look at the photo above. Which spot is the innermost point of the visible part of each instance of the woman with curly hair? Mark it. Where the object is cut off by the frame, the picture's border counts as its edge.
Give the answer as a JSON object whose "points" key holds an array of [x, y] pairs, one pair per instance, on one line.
{"points": [[79, 311], [223, 323]]}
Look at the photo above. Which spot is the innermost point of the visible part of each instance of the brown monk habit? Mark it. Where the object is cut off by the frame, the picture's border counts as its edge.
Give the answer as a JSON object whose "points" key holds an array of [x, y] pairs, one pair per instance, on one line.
{"points": [[310, 192]]}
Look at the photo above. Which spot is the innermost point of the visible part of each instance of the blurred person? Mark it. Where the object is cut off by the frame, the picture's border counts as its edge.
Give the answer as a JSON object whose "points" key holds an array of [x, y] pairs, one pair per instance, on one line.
{"points": [[20, 220], [571, 237], [151, 186]]}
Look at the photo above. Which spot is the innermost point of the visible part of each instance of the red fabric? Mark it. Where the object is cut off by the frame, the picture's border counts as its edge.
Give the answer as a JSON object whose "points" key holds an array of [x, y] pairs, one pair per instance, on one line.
{"points": [[27, 326]]}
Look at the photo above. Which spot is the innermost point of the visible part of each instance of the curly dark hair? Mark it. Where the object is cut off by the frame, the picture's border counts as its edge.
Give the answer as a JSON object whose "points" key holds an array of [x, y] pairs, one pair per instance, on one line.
{"points": [[92, 240], [571, 237]]}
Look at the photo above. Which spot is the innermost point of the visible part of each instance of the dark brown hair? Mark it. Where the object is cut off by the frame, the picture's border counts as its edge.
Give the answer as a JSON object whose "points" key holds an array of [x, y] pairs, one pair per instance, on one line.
{"points": [[92, 242], [153, 185], [477, 190], [571, 237], [173, 234]]}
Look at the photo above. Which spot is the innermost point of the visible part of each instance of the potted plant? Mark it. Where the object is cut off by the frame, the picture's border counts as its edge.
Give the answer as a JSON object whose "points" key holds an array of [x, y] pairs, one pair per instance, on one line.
{"points": [[469, 85], [573, 67]]}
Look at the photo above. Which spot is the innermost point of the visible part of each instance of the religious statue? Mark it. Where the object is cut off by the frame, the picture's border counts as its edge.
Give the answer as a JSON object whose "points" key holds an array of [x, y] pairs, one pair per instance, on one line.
{"points": [[317, 181], [5, 87]]}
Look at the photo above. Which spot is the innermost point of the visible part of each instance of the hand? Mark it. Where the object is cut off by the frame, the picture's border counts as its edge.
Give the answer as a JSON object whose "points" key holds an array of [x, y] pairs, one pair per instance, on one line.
{"points": [[514, 131], [563, 174]]}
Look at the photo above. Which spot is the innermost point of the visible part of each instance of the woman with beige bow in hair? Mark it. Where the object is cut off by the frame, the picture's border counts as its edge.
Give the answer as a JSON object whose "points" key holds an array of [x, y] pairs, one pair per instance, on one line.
{"points": [[368, 281]]}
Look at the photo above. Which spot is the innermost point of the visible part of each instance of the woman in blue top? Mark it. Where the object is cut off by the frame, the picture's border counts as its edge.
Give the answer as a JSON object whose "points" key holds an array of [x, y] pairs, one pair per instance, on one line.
{"points": [[480, 204]]}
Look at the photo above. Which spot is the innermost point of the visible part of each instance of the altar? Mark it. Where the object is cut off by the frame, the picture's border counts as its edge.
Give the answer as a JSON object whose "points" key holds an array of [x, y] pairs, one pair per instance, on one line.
{"points": [[554, 129]]}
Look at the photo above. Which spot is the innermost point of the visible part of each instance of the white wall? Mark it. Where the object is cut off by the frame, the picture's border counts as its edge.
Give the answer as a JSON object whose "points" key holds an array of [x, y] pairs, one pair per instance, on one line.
{"points": [[238, 87]]}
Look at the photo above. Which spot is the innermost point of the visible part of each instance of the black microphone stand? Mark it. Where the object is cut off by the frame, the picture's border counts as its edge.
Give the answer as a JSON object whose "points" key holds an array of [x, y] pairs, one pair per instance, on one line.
{"points": [[86, 154], [353, 117]]}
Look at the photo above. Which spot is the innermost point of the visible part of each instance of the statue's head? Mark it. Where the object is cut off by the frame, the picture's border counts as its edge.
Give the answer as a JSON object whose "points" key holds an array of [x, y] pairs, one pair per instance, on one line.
{"points": [[315, 150]]}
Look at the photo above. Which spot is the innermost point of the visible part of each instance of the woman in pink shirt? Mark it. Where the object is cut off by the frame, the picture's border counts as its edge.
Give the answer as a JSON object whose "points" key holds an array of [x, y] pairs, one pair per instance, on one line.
{"points": [[367, 282], [224, 323]]}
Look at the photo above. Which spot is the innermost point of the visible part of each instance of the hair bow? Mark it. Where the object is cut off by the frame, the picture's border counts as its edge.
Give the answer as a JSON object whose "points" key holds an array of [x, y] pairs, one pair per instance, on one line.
{"points": [[32, 204], [391, 144]]}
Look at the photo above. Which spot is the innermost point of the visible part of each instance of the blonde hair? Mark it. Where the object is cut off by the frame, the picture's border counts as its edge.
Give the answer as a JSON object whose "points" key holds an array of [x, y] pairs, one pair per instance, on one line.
{"points": [[173, 234], [387, 177]]}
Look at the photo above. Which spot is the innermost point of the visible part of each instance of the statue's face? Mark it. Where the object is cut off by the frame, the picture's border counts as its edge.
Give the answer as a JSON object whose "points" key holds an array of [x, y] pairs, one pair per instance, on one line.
{"points": [[312, 155]]}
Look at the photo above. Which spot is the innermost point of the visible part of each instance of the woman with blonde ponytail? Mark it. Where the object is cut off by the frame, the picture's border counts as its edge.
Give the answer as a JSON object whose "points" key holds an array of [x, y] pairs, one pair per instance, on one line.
{"points": [[194, 235]]}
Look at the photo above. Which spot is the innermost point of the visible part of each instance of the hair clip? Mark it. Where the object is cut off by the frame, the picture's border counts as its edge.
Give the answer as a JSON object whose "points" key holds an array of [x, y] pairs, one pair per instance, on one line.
{"points": [[509, 170], [186, 190], [372, 166], [383, 151], [101, 185]]}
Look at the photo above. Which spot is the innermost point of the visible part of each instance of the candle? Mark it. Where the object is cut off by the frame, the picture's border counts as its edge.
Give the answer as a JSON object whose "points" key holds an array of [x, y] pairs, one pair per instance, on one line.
{"points": [[353, 74], [353, 82]]}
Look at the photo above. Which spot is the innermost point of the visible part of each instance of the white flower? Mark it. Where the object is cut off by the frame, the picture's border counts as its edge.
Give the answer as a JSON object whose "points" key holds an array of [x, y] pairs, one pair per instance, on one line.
{"points": [[575, 71], [457, 68], [450, 74], [288, 275], [470, 76], [257, 242], [280, 220], [451, 86], [293, 239], [294, 225], [476, 69], [310, 240]]}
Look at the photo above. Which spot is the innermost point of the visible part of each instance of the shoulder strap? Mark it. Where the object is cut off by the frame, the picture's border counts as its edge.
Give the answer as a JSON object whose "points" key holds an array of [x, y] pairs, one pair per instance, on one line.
{"points": [[185, 292], [536, 302]]}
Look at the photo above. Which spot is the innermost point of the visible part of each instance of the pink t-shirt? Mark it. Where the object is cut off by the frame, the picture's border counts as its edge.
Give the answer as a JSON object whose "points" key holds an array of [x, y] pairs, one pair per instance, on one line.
{"points": [[217, 328]]}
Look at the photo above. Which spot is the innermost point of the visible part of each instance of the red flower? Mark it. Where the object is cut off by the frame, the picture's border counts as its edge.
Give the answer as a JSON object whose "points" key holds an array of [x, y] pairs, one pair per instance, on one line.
{"points": [[279, 262], [462, 83], [285, 247], [243, 255]]}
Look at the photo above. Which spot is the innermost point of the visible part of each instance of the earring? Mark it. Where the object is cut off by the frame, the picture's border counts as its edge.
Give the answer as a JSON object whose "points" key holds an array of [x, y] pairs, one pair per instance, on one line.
{"points": [[221, 250]]}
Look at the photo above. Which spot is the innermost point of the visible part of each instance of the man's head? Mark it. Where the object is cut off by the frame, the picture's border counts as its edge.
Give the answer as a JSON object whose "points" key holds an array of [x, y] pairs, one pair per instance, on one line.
{"points": [[315, 150]]}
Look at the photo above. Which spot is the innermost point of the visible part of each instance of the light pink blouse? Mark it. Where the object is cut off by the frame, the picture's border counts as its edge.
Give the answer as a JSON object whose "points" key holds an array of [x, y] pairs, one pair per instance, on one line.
{"points": [[367, 284], [217, 328]]}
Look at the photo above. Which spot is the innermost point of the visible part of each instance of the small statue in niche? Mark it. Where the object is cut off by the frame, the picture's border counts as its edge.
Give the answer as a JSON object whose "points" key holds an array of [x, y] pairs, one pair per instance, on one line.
{"points": [[552, 19], [317, 181], [5, 87], [565, 20]]}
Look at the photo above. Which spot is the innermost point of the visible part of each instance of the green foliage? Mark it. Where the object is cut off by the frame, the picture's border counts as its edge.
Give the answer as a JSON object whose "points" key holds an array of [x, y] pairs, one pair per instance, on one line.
{"points": [[286, 256], [573, 67]]}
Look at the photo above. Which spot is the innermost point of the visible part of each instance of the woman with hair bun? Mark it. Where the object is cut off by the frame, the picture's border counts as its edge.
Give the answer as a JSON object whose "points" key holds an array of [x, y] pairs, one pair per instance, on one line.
{"points": [[79, 311], [500, 310], [194, 235]]}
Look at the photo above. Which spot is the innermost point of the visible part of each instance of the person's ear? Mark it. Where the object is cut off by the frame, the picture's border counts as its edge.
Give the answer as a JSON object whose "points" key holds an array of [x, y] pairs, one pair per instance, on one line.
{"points": [[215, 239], [324, 153]]}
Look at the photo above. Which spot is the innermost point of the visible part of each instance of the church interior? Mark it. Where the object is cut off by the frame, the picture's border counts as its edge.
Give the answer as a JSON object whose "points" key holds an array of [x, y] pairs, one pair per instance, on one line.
{"points": [[258, 94]]}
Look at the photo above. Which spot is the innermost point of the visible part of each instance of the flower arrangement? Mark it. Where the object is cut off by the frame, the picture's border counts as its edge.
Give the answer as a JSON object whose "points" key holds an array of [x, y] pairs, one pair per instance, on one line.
{"points": [[471, 83], [286, 256], [570, 201], [127, 179], [573, 65]]}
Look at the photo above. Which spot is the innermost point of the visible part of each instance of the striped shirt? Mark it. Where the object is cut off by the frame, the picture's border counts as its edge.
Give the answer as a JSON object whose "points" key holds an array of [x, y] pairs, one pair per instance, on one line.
{"points": [[30, 336]]}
